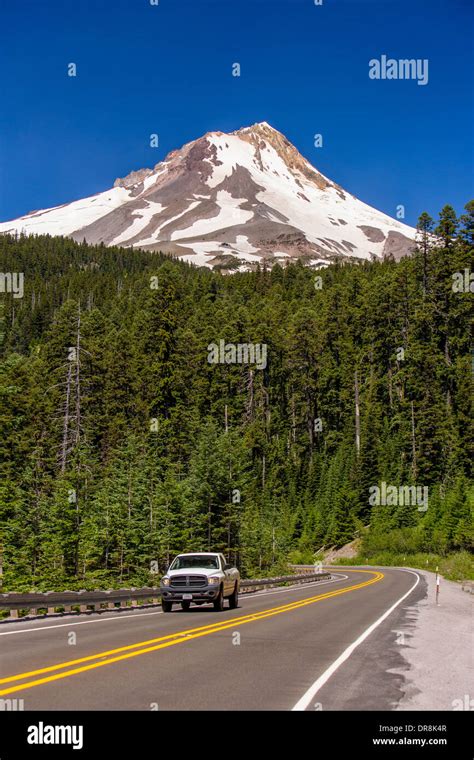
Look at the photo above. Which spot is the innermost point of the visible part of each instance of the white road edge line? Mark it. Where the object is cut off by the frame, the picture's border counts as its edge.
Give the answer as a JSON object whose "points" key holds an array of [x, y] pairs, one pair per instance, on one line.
{"points": [[73, 621], [303, 703]]}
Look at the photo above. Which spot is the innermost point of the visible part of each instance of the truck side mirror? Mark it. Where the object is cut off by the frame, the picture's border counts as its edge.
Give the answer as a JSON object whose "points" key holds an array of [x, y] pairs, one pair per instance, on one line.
{"points": [[227, 566]]}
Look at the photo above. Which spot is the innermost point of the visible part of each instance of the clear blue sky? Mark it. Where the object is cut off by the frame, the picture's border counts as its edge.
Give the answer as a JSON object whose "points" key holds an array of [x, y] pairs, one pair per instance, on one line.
{"points": [[143, 69]]}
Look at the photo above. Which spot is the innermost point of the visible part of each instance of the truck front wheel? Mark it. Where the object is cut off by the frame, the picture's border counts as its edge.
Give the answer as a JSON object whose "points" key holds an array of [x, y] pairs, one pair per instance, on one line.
{"points": [[185, 606], [234, 597], [166, 606], [219, 602]]}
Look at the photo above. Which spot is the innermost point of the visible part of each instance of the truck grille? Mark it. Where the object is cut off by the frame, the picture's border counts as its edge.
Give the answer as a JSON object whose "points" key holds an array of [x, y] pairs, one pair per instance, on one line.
{"points": [[189, 581]]}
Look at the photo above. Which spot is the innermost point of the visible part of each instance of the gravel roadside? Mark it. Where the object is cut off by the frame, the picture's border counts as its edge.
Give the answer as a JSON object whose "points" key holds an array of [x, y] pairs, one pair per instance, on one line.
{"points": [[438, 650]]}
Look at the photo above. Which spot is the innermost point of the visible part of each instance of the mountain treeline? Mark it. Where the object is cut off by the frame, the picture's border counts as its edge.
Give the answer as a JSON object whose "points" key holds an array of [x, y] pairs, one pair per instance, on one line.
{"points": [[121, 444]]}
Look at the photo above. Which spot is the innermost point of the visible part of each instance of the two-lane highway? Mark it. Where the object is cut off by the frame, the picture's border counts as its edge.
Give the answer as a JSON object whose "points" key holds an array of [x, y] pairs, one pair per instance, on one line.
{"points": [[279, 650]]}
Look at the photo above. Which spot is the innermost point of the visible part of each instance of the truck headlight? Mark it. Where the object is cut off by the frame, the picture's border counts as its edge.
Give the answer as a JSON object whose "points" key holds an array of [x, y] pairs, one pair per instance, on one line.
{"points": [[165, 581], [213, 580]]}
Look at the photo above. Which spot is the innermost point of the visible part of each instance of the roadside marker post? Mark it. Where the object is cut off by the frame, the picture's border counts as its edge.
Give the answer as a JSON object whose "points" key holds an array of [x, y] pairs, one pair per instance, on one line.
{"points": [[437, 586]]}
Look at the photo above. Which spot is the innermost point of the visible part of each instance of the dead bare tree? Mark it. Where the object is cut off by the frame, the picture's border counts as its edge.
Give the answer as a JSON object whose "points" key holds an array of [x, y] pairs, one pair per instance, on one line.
{"points": [[357, 413]]}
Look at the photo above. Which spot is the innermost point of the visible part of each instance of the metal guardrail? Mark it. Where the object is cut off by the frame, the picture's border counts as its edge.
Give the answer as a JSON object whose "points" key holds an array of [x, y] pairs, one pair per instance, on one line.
{"points": [[86, 601], [303, 577]]}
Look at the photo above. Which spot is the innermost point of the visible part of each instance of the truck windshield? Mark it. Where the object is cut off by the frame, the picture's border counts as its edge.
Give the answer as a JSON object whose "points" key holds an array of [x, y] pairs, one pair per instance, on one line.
{"points": [[195, 560]]}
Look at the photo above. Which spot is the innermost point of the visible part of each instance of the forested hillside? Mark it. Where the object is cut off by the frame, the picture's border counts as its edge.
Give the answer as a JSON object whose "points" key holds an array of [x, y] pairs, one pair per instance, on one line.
{"points": [[121, 444]]}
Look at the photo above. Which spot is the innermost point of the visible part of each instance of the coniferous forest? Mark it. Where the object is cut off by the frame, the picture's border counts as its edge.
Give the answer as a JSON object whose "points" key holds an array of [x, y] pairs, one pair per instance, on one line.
{"points": [[121, 444]]}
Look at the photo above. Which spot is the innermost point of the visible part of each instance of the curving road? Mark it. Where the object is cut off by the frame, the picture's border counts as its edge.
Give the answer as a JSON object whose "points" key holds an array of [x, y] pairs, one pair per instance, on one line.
{"points": [[320, 646]]}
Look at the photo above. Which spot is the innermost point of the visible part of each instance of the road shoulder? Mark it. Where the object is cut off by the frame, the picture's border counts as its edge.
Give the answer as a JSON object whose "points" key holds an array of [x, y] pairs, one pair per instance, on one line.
{"points": [[438, 649]]}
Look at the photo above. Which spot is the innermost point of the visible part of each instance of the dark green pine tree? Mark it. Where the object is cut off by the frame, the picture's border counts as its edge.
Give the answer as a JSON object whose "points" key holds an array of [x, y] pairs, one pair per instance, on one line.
{"points": [[447, 226], [467, 222], [424, 242]]}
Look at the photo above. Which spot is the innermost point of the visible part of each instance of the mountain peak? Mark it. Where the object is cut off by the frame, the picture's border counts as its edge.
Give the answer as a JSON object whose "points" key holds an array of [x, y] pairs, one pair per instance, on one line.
{"points": [[259, 125], [230, 200], [261, 129]]}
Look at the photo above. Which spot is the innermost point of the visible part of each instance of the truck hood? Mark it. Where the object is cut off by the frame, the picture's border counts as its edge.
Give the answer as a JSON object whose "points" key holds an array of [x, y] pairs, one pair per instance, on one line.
{"points": [[194, 571]]}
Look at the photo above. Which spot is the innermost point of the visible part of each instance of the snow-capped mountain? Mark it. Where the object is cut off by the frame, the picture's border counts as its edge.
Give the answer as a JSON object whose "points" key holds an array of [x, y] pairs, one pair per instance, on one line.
{"points": [[229, 199]]}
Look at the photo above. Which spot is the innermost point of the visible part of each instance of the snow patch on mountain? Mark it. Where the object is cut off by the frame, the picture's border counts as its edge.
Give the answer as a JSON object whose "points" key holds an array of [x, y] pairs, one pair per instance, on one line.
{"points": [[62, 220], [229, 215], [141, 220]]}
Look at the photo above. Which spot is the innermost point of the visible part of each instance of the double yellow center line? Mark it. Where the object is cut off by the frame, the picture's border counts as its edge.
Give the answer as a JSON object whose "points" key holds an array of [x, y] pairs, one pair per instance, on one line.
{"points": [[151, 645]]}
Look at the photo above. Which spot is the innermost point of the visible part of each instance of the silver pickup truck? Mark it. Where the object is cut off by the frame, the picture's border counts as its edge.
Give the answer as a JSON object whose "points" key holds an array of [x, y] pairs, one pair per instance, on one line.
{"points": [[199, 578]]}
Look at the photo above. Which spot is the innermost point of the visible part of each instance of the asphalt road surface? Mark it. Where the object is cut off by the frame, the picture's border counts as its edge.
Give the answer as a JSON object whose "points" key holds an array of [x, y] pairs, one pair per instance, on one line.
{"points": [[319, 646]]}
